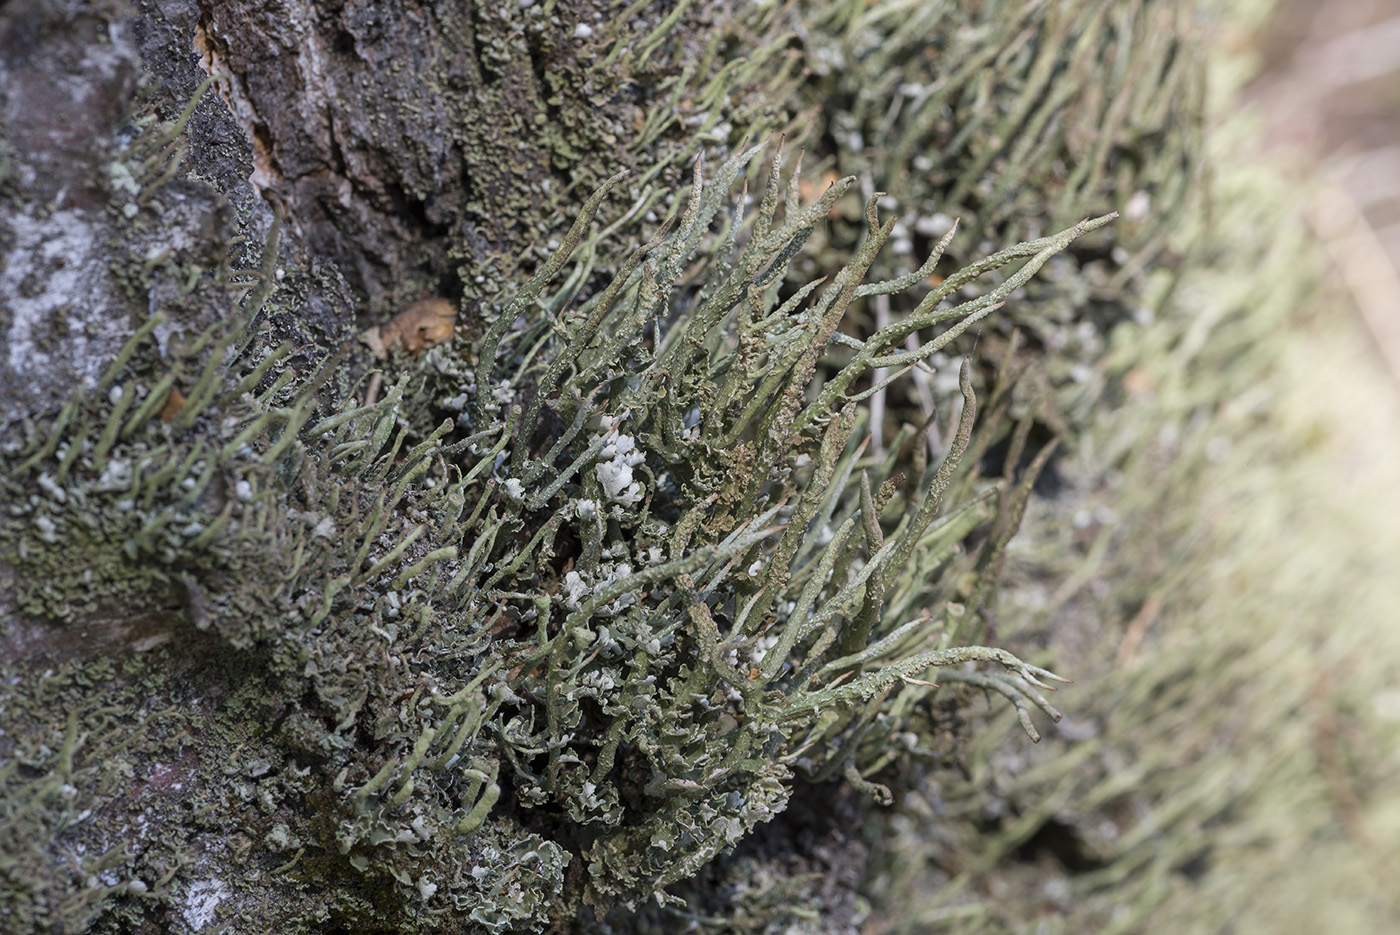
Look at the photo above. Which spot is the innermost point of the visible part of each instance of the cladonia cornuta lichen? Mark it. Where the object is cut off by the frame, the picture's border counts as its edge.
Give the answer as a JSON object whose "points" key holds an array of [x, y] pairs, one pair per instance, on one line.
{"points": [[648, 578]]}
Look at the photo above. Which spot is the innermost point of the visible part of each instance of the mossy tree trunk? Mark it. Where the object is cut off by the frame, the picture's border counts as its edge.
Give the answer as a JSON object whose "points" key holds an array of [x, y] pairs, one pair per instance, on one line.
{"points": [[150, 154], [404, 150], [225, 695]]}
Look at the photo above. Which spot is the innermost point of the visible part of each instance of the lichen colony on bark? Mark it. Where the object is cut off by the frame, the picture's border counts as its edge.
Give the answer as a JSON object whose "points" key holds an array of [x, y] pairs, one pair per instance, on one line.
{"points": [[526, 628]]}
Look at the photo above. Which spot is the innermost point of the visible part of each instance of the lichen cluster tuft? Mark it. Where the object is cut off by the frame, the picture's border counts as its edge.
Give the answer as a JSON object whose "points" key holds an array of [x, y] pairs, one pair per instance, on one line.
{"points": [[647, 574], [527, 623]]}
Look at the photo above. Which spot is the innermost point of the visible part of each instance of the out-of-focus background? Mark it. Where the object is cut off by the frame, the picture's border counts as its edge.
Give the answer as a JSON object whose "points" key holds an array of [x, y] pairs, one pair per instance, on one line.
{"points": [[1323, 855], [1328, 91]]}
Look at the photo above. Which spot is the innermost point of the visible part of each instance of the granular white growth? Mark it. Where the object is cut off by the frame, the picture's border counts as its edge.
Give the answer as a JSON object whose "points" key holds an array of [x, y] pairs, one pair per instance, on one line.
{"points": [[615, 475], [201, 902], [51, 260]]}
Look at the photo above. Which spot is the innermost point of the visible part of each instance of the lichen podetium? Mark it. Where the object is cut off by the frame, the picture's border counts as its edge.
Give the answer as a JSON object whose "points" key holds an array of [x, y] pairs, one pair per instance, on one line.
{"points": [[647, 574]]}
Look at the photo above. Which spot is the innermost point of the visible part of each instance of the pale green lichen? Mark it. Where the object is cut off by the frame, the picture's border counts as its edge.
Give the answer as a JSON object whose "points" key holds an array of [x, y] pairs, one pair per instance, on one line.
{"points": [[633, 631], [559, 616], [1011, 120]]}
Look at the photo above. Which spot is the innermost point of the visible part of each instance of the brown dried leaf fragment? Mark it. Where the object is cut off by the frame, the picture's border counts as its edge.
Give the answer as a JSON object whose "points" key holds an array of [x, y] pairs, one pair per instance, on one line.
{"points": [[418, 327], [173, 404]]}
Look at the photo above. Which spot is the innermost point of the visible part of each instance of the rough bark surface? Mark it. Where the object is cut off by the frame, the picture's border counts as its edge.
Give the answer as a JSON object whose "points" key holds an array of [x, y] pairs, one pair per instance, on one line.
{"points": [[424, 148]]}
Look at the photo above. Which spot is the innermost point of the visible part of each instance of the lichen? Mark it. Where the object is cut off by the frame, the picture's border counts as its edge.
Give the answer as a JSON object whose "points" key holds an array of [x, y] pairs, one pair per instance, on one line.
{"points": [[631, 632], [544, 621]]}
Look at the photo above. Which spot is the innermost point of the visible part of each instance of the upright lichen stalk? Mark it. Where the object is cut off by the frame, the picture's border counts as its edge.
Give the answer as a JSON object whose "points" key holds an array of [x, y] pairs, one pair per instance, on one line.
{"points": [[705, 566], [652, 576]]}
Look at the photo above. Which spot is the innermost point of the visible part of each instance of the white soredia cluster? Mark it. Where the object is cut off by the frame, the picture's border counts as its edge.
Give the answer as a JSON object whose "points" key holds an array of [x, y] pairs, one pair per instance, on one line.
{"points": [[578, 586], [615, 473]]}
